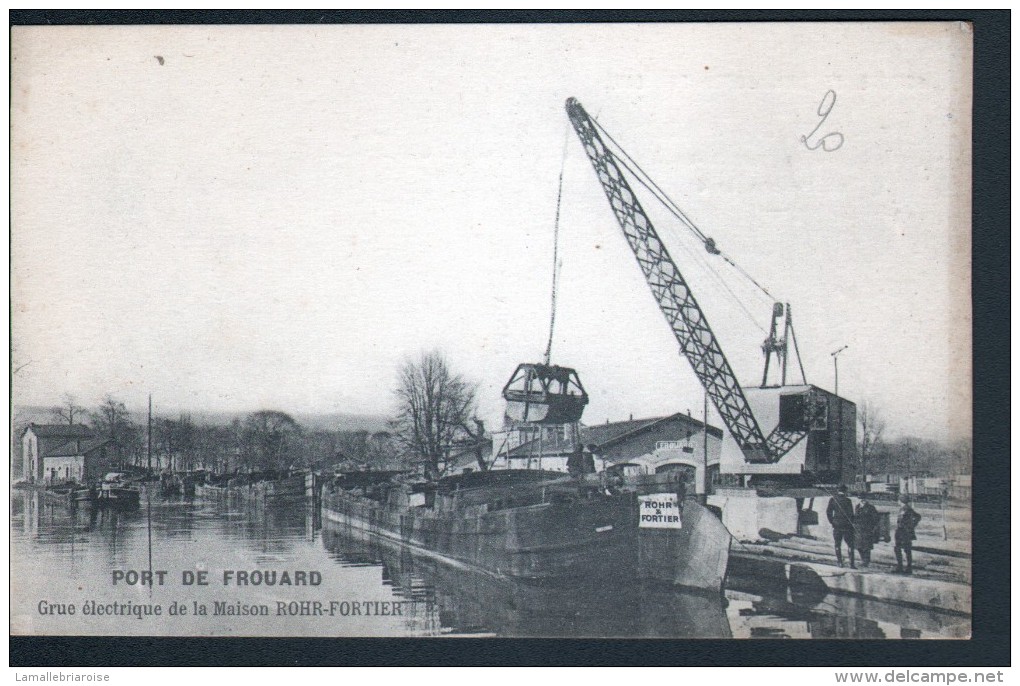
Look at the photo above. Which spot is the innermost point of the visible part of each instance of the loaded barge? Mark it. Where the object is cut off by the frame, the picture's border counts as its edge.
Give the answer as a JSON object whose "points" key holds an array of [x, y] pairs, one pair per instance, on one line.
{"points": [[533, 525], [524, 524], [257, 487]]}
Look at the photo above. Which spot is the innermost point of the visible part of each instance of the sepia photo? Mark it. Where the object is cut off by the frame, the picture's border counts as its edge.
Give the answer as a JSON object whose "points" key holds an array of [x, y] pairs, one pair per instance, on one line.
{"points": [[466, 330]]}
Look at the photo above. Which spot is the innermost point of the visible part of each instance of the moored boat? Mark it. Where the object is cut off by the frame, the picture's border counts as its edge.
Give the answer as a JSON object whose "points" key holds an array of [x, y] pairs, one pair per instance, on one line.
{"points": [[84, 495], [211, 490], [63, 494], [116, 491], [289, 487], [529, 524], [523, 524], [257, 487], [169, 485]]}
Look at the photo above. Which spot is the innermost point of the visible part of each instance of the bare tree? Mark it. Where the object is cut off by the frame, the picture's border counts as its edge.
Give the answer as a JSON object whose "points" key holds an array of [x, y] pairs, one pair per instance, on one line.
{"points": [[112, 420], [352, 446], [270, 440], [476, 439], [433, 404], [215, 446], [382, 450], [961, 456], [185, 432], [68, 410], [872, 426], [174, 440]]}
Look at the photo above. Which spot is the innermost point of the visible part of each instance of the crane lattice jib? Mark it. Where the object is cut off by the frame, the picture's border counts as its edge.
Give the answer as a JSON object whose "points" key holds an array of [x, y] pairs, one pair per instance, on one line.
{"points": [[677, 302]]}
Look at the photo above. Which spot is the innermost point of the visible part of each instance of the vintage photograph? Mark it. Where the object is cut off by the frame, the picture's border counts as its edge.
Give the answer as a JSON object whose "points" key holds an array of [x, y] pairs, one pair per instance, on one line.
{"points": [[467, 330]]}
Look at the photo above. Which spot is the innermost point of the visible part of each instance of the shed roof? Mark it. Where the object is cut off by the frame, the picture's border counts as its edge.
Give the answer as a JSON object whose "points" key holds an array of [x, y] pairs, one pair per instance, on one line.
{"points": [[77, 447], [603, 435], [59, 430]]}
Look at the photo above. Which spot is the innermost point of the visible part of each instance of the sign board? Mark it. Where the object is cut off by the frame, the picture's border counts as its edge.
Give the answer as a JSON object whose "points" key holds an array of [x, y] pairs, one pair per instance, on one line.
{"points": [[658, 511]]}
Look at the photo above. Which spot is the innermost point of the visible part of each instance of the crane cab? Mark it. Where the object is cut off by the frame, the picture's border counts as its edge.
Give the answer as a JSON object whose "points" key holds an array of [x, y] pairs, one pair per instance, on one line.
{"points": [[544, 394]]}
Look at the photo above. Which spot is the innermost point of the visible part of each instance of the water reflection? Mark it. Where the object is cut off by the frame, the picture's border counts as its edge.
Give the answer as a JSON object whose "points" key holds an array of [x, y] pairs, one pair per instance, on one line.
{"points": [[66, 554], [447, 599]]}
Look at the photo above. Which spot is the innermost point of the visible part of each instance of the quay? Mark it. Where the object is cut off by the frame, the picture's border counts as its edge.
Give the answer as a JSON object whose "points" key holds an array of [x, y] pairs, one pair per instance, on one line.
{"points": [[806, 563]]}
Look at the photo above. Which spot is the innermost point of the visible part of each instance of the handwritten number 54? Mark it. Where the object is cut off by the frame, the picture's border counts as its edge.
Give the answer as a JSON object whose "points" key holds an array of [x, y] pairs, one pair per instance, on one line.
{"points": [[830, 142]]}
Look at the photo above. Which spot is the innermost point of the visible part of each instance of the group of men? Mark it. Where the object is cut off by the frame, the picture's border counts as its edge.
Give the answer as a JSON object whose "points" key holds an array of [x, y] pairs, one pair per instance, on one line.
{"points": [[859, 528]]}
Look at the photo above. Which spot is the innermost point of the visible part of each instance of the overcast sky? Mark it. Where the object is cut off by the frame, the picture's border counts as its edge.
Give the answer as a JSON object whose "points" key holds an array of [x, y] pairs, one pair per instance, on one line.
{"points": [[236, 218]]}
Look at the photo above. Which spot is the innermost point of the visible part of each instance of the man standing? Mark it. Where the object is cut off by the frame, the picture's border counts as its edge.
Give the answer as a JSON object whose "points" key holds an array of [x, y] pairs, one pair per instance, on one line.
{"points": [[867, 520], [841, 515], [575, 463], [681, 491], [903, 539]]}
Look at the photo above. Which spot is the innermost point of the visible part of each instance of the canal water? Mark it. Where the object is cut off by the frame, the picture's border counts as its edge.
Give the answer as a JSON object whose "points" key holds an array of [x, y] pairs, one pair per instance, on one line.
{"points": [[331, 581]]}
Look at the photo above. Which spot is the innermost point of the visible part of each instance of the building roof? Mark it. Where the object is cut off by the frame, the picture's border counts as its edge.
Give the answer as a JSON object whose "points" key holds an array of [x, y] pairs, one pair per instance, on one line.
{"points": [[604, 435], [59, 430], [77, 447], [462, 455], [600, 434], [607, 434]]}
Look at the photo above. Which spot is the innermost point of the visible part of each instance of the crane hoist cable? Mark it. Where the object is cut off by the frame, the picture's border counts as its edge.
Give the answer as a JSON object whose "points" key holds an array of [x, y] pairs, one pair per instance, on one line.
{"points": [[556, 246], [544, 393], [645, 180], [700, 258], [696, 255], [682, 312]]}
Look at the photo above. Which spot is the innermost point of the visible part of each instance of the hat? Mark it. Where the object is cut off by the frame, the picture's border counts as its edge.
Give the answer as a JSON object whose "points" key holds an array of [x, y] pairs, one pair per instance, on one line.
{"points": [[842, 488]]}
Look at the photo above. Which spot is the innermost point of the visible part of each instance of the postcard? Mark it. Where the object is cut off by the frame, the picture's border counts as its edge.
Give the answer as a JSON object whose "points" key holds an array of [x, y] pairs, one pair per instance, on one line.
{"points": [[548, 330]]}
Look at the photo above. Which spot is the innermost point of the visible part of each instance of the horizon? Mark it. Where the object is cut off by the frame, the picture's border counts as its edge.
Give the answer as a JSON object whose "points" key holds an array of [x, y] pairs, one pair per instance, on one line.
{"points": [[353, 418]]}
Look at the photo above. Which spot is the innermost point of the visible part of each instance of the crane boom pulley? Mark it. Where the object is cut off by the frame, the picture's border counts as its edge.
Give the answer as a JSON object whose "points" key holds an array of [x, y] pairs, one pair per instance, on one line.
{"points": [[677, 303]]}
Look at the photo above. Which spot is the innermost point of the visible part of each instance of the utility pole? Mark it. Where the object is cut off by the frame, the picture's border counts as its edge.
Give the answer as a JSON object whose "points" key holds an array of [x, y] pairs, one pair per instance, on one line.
{"points": [[839, 431], [835, 364], [148, 433], [705, 481]]}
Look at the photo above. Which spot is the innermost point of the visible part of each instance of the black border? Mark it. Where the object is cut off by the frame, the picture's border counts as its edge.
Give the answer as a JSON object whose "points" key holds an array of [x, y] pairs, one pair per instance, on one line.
{"points": [[989, 645]]}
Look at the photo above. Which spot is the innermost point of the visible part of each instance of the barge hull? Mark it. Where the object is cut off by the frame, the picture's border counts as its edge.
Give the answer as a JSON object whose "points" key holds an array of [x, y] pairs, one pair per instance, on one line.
{"points": [[538, 542]]}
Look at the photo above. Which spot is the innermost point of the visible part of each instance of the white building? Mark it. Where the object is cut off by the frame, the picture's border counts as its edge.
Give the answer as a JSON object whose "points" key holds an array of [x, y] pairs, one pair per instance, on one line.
{"points": [[38, 439]]}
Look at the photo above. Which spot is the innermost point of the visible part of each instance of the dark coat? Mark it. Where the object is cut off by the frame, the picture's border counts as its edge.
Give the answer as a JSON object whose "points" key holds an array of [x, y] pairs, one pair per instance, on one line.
{"points": [[580, 462], [907, 524], [840, 512], [867, 520], [576, 463]]}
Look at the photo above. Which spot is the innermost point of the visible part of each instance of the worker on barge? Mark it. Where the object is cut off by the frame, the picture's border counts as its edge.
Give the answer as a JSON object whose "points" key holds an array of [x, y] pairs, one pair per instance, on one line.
{"points": [[580, 463]]}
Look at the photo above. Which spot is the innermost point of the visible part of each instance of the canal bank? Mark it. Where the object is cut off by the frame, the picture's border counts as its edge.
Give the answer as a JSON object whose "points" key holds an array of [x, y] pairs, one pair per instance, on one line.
{"points": [[774, 548]]}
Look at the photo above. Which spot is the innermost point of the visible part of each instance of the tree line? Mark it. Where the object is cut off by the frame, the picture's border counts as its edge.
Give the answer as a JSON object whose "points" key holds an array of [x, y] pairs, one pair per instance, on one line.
{"points": [[266, 440], [435, 416], [906, 455]]}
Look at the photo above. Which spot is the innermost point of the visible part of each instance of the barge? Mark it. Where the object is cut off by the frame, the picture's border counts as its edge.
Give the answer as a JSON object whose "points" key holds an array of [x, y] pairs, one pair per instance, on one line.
{"points": [[533, 525], [474, 603], [522, 524], [283, 489], [116, 490], [70, 495]]}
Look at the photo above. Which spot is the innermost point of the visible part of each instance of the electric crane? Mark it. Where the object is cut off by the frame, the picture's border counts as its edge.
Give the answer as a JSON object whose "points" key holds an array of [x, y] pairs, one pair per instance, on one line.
{"points": [[799, 413]]}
